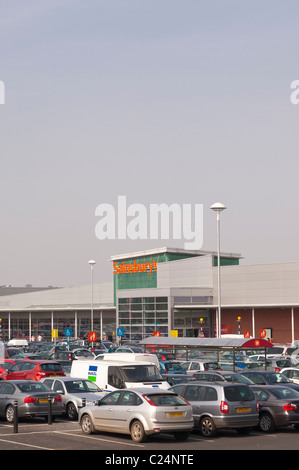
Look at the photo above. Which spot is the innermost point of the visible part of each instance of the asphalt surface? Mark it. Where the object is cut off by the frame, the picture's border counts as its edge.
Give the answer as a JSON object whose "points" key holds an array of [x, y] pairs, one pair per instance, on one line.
{"points": [[117, 449]]}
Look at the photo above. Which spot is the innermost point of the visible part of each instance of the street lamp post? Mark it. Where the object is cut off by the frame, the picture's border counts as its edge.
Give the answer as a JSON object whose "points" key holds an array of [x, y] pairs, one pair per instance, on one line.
{"points": [[218, 207], [91, 264]]}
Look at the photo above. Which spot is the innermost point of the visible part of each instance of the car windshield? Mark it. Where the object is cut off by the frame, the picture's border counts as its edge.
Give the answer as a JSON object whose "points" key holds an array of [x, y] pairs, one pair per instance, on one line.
{"points": [[166, 399], [33, 387], [81, 386], [275, 378], [237, 378], [141, 373], [287, 393]]}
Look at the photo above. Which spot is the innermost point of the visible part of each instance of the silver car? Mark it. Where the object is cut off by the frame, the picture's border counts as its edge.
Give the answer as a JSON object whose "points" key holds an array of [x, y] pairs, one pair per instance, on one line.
{"points": [[32, 399], [140, 413], [73, 391], [220, 405]]}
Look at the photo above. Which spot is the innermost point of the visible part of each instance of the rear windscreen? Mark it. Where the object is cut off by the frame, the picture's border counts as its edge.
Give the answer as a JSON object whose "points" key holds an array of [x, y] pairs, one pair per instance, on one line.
{"points": [[166, 399], [238, 393], [51, 367]]}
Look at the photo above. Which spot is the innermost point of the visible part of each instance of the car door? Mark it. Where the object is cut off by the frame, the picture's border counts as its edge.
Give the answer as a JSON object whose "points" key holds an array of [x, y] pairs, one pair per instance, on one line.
{"points": [[194, 395], [15, 372], [5, 390], [126, 406], [105, 415]]}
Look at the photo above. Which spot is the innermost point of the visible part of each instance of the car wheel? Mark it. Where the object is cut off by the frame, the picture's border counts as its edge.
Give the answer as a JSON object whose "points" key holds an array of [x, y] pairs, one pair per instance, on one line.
{"points": [[10, 413], [137, 432], [71, 411], [181, 436], [86, 424], [266, 423], [207, 427]]}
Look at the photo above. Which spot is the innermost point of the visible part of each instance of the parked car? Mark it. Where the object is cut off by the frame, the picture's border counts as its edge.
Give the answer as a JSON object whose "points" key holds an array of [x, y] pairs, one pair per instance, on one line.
{"points": [[279, 406], [174, 379], [6, 364], [277, 364], [173, 367], [222, 376], [129, 349], [193, 366], [140, 413], [33, 370], [72, 391], [31, 397], [221, 405], [292, 373], [72, 355], [13, 353], [270, 378]]}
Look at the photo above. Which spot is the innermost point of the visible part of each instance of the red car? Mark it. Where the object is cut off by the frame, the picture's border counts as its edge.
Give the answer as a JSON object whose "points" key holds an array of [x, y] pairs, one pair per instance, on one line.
{"points": [[33, 370]]}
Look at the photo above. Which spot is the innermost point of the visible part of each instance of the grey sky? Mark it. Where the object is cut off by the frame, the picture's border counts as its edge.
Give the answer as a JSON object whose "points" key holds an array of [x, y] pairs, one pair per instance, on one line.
{"points": [[159, 100]]}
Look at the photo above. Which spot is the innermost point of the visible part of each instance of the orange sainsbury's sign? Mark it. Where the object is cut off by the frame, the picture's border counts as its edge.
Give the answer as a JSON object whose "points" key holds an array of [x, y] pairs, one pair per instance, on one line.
{"points": [[135, 267]]}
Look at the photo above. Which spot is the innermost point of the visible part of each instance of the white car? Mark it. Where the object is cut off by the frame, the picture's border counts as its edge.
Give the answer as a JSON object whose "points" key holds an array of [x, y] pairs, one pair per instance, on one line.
{"points": [[194, 366], [291, 373]]}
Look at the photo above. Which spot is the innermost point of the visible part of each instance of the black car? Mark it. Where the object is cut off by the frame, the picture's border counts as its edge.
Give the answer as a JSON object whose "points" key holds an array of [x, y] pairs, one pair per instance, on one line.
{"points": [[270, 378]]}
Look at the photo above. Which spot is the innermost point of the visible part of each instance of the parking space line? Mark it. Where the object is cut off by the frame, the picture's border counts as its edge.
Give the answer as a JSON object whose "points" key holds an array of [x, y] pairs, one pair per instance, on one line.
{"points": [[104, 440], [23, 444]]}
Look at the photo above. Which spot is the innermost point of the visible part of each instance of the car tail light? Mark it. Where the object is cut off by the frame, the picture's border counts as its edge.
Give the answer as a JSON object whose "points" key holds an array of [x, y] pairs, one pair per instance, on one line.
{"points": [[289, 407], [224, 408], [30, 400], [40, 375], [148, 400], [58, 399], [277, 369], [257, 406]]}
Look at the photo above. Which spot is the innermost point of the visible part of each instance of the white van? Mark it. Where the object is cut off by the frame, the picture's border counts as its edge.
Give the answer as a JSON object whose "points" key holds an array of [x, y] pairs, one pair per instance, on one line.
{"points": [[113, 375], [131, 357]]}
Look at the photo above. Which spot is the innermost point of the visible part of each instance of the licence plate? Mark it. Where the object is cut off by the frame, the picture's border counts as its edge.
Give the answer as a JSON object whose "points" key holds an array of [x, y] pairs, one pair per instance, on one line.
{"points": [[243, 410], [43, 400], [175, 414]]}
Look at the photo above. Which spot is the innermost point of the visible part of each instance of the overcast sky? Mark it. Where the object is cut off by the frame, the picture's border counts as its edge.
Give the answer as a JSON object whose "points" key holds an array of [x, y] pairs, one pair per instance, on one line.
{"points": [[163, 101]]}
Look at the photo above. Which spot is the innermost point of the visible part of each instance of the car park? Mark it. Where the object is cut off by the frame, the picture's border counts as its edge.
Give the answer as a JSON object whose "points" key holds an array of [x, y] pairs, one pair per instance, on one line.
{"points": [[278, 406], [193, 366], [72, 391], [33, 370], [220, 405], [140, 413], [32, 400], [173, 367]]}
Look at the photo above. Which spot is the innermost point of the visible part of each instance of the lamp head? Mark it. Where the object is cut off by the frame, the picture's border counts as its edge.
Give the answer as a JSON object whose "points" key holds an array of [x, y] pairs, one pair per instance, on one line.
{"points": [[218, 207]]}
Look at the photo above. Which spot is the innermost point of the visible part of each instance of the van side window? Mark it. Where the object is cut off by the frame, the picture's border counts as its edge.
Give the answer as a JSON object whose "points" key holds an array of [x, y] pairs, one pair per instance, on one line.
{"points": [[114, 377]]}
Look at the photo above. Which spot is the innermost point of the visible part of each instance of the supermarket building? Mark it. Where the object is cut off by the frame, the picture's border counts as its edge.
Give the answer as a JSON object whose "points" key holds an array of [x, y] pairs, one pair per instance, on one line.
{"points": [[164, 291]]}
